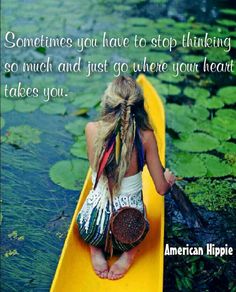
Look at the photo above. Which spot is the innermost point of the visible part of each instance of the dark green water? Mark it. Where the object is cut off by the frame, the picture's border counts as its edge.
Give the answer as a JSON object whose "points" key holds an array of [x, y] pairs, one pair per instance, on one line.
{"points": [[37, 212]]}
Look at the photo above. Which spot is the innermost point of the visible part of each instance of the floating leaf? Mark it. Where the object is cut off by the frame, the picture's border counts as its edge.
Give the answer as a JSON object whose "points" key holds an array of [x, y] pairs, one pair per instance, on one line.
{"points": [[214, 194], [53, 108], [180, 123], [2, 122], [228, 94], [6, 105], [168, 89], [211, 103], [25, 106], [227, 147], [79, 148], [199, 113], [188, 165], [192, 58], [215, 166], [228, 11], [214, 130], [217, 55], [22, 135], [226, 22], [77, 127], [196, 93], [87, 100], [226, 113], [196, 142], [69, 174], [225, 122], [169, 77]]}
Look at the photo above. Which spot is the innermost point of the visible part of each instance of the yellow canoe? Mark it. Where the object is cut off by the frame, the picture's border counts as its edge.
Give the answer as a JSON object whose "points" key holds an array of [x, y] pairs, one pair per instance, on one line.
{"points": [[74, 271]]}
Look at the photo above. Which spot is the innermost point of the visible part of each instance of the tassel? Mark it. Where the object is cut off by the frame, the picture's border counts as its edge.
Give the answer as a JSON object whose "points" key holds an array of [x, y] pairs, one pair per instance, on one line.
{"points": [[118, 148], [108, 244], [104, 159]]}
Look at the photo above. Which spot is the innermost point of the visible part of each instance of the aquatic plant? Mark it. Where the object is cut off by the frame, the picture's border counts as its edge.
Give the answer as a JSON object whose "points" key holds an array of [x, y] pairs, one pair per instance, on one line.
{"points": [[69, 174], [22, 135]]}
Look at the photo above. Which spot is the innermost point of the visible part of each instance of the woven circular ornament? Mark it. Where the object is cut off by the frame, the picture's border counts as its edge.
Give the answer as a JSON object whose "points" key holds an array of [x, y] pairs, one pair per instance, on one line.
{"points": [[128, 225]]}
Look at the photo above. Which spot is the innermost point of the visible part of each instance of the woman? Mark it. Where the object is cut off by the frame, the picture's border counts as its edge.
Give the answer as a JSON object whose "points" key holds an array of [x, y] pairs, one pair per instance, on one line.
{"points": [[123, 123]]}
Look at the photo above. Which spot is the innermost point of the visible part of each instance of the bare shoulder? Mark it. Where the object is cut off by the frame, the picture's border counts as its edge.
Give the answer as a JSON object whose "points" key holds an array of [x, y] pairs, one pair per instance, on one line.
{"points": [[91, 128], [148, 137]]}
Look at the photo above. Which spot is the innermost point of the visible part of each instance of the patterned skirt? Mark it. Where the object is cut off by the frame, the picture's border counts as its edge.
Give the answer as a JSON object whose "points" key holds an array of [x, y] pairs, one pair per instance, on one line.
{"points": [[94, 216]]}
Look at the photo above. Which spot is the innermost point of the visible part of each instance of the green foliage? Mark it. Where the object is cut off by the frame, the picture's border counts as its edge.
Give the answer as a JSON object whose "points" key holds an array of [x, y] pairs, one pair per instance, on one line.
{"points": [[196, 142], [196, 93], [22, 135], [227, 22], [192, 58], [228, 94], [215, 166], [214, 102], [188, 165], [79, 149], [217, 55], [214, 130], [14, 235], [53, 108], [11, 253], [227, 147], [27, 105], [169, 77], [214, 194], [69, 174], [6, 105], [76, 127], [228, 11]]}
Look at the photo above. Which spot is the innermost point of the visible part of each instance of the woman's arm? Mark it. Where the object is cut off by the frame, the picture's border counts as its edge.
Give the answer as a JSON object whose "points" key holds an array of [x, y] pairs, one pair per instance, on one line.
{"points": [[162, 181]]}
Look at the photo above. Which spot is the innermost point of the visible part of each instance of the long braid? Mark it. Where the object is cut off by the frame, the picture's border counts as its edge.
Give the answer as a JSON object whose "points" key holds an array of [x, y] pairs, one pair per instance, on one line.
{"points": [[122, 99]]}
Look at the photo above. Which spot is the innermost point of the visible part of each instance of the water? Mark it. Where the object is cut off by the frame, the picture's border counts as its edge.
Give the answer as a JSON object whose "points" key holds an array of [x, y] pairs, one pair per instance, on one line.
{"points": [[37, 212]]}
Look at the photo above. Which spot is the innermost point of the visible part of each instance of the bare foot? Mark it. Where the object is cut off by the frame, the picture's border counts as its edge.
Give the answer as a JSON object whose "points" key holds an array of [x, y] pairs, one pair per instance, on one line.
{"points": [[121, 266], [99, 263]]}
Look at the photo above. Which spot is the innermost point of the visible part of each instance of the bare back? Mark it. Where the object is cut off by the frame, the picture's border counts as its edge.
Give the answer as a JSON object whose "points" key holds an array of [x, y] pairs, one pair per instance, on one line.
{"points": [[151, 154]]}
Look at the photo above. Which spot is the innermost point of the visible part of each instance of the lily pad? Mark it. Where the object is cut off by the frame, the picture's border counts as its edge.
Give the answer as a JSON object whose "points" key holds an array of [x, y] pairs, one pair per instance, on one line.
{"points": [[69, 174], [214, 194], [226, 113], [196, 142], [188, 165], [225, 122], [192, 58], [22, 135], [77, 127], [6, 105], [180, 123], [217, 55], [214, 130], [227, 147], [196, 93], [215, 166], [214, 102], [24, 106], [226, 22], [87, 100], [79, 148], [53, 108], [228, 11], [168, 89], [228, 94], [2, 122], [169, 77]]}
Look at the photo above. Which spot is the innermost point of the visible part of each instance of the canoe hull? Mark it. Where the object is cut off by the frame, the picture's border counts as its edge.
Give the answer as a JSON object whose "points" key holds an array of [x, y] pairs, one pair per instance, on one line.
{"points": [[74, 271]]}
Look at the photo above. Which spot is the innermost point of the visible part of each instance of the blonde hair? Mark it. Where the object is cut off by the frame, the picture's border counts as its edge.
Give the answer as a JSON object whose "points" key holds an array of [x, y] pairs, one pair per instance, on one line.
{"points": [[122, 104]]}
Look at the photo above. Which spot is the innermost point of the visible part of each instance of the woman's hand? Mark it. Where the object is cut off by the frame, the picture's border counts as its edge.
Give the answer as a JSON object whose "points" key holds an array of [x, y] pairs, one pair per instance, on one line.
{"points": [[170, 177]]}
